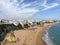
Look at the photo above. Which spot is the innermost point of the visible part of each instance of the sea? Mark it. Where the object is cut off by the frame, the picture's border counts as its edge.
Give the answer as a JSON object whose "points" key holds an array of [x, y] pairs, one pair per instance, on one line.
{"points": [[52, 35]]}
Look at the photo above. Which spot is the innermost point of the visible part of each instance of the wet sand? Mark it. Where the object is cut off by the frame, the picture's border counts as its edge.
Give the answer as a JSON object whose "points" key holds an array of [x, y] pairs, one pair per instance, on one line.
{"points": [[31, 36], [39, 40]]}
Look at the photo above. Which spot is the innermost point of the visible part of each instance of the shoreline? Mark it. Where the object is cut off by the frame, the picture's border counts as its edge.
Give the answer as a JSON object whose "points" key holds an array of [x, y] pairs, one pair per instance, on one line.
{"points": [[46, 34], [44, 28], [31, 37], [46, 38]]}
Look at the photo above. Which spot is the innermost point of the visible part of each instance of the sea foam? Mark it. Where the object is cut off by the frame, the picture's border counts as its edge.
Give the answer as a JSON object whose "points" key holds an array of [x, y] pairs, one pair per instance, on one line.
{"points": [[47, 39]]}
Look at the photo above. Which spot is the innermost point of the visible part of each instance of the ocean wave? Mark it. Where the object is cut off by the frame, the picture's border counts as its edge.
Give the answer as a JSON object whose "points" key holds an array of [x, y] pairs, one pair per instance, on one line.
{"points": [[47, 39]]}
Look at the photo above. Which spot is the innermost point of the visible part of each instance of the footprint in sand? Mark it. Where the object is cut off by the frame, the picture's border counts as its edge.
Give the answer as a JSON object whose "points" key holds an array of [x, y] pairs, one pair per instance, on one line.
{"points": [[24, 44]]}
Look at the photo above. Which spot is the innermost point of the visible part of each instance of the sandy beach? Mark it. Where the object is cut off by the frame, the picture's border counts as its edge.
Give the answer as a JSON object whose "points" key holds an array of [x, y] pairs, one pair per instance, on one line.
{"points": [[31, 36]]}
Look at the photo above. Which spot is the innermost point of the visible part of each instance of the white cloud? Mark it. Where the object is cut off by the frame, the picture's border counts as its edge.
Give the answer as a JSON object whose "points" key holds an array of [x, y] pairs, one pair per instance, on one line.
{"points": [[14, 12], [21, 1], [49, 7], [52, 5], [44, 2], [29, 4], [12, 9]]}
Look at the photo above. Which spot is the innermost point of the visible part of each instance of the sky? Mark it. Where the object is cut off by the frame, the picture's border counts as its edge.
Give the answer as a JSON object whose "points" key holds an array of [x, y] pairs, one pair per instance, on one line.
{"points": [[30, 9]]}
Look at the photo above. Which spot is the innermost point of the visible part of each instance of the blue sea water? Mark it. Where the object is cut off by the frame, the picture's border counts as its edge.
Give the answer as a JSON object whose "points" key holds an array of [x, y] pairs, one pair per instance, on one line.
{"points": [[52, 36]]}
